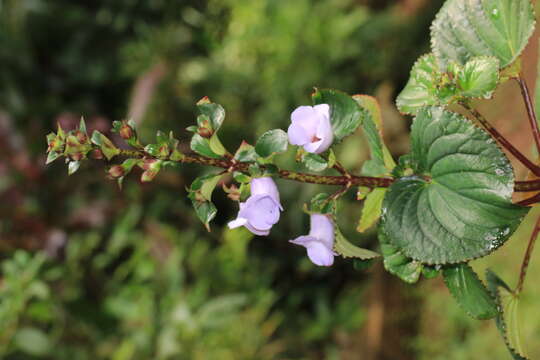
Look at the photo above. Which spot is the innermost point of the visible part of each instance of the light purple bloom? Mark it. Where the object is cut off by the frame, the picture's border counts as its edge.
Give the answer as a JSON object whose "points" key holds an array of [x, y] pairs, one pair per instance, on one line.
{"points": [[261, 210], [311, 128], [320, 240]]}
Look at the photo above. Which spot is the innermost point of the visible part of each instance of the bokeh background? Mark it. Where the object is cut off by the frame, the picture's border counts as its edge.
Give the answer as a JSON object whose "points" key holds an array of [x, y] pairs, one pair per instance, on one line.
{"points": [[92, 272]]}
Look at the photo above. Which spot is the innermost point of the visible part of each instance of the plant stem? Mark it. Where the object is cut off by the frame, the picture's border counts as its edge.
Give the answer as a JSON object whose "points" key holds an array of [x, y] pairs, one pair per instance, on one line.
{"points": [[232, 165], [527, 257], [530, 110], [502, 140], [527, 186]]}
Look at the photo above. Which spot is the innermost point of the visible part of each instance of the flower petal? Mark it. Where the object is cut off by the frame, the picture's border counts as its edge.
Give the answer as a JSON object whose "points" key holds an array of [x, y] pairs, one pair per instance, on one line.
{"points": [[322, 228], [237, 223], [320, 254], [298, 135], [265, 186]]}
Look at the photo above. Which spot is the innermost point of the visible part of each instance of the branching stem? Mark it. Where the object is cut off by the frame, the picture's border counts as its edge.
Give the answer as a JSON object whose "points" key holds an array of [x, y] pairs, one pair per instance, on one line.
{"points": [[502, 140], [232, 165], [531, 114]]}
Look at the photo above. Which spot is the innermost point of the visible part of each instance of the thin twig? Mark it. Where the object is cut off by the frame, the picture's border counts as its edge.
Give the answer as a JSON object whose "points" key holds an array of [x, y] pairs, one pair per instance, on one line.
{"points": [[527, 257], [502, 140], [531, 114], [231, 165]]}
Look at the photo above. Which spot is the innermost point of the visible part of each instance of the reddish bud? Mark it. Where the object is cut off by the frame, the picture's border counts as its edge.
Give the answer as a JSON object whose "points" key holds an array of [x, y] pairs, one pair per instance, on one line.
{"points": [[148, 164], [148, 175], [205, 132], [126, 132], [81, 137], [97, 154], [116, 171]]}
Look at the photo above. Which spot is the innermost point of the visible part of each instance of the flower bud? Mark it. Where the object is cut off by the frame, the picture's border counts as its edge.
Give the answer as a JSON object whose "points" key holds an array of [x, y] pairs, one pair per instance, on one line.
{"points": [[81, 137], [319, 243], [148, 175], [205, 132], [126, 132], [261, 210], [96, 154], [311, 128], [116, 171]]}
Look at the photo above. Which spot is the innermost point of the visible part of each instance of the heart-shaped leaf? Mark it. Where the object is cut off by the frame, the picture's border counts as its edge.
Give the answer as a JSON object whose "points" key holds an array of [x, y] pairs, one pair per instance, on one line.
{"points": [[469, 291], [345, 114], [457, 206], [467, 28]]}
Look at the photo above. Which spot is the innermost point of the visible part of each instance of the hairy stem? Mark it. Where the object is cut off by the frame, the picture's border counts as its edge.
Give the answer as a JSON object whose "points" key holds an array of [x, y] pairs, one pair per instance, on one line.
{"points": [[502, 140], [527, 257], [530, 111], [233, 165]]}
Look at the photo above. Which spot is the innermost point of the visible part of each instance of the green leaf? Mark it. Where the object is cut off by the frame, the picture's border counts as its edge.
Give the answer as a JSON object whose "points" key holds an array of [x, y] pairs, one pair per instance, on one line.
{"points": [[421, 89], [245, 153], [107, 147], [53, 155], [206, 185], [272, 142], [396, 263], [479, 77], [346, 249], [314, 162], [372, 126], [345, 113], [469, 291], [457, 206], [202, 147], [467, 28], [371, 211], [216, 146], [214, 113], [323, 204], [205, 210], [507, 320], [73, 166]]}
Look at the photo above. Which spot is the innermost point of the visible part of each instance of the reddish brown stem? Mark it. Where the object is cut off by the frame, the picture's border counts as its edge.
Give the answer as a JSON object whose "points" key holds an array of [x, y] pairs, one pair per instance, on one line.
{"points": [[502, 140], [232, 165], [527, 257], [531, 114]]}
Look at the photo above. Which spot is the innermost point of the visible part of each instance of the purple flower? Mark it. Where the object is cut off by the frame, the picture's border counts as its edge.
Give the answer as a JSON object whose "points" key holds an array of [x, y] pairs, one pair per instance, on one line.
{"points": [[261, 210], [320, 240], [311, 128]]}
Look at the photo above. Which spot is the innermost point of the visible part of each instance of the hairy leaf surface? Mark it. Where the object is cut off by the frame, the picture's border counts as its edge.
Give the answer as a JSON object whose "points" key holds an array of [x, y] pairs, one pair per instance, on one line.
{"points": [[457, 206], [467, 28]]}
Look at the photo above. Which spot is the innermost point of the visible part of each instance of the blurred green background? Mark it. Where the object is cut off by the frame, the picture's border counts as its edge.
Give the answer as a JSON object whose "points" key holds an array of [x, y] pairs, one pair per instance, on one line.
{"points": [[92, 272]]}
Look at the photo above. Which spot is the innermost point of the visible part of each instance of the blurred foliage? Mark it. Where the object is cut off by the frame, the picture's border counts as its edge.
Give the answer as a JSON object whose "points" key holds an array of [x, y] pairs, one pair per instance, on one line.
{"points": [[89, 272]]}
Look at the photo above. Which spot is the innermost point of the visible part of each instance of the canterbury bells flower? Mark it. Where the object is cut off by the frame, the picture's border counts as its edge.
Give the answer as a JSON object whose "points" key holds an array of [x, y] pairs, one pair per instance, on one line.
{"points": [[320, 240], [311, 128], [261, 210]]}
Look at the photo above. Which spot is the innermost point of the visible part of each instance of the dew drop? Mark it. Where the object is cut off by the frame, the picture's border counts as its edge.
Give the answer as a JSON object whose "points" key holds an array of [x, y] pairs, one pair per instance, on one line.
{"points": [[495, 13]]}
